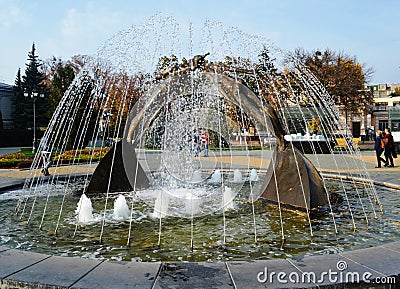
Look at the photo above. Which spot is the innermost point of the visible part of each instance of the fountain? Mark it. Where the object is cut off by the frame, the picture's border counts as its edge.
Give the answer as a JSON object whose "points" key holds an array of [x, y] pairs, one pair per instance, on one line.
{"points": [[152, 97], [84, 210], [253, 175], [216, 177], [237, 176], [121, 209]]}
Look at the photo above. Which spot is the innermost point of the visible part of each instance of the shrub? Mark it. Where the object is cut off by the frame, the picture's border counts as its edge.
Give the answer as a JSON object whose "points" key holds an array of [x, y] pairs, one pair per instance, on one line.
{"points": [[12, 160], [24, 164], [21, 160], [82, 155]]}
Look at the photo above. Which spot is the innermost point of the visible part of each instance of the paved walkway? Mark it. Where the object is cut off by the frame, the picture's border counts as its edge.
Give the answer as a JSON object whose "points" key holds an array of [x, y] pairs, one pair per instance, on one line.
{"points": [[10, 150], [343, 163], [380, 266], [12, 175]]}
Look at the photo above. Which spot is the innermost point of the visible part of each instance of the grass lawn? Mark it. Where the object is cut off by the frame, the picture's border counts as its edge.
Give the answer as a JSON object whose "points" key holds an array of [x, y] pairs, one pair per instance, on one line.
{"points": [[27, 152]]}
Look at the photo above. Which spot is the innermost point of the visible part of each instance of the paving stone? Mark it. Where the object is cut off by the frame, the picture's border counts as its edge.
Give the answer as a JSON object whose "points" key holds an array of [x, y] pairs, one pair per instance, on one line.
{"points": [[55, 271], [257, 274], [12, 261], [194, 275], [393, 246], [377, 258], [111, 274], [331, 269]]}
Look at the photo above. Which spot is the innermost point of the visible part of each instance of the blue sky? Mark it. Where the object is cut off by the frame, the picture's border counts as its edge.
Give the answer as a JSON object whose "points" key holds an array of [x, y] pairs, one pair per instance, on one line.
{"points": [[367, 29]]}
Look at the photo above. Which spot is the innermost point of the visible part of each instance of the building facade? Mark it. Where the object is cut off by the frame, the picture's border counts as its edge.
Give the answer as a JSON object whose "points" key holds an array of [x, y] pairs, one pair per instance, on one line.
{"points": [[386, 109], [357, 123], [6, 104]]}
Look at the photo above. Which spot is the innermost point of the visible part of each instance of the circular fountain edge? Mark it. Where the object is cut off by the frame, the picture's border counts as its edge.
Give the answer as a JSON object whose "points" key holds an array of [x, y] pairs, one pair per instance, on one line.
{"points": [[22, 269]]}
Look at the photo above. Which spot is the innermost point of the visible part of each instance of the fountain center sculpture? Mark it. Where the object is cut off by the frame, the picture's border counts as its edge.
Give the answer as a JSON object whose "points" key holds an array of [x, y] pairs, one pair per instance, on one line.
{"points": [[291, 179]]}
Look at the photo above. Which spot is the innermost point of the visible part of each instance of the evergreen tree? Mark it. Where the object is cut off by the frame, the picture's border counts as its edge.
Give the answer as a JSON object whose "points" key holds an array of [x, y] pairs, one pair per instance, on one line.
{"points": [[33, 82], [18, 110]]}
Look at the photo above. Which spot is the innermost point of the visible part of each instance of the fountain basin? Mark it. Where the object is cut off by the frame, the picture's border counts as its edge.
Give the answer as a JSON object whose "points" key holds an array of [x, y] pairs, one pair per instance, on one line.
{"points": [[208, 229]]}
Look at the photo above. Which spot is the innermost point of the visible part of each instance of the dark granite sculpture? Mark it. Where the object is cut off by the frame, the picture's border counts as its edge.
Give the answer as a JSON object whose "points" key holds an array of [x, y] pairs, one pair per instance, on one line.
{"points": [[124, 169], [291, 179]]}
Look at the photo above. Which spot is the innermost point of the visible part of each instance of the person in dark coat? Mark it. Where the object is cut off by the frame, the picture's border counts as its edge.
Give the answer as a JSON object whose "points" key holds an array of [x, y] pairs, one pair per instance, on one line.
{"points": [[379, 148], [389, 146]]}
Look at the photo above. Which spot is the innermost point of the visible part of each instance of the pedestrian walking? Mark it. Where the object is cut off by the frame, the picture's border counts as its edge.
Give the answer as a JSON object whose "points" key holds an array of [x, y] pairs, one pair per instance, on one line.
{"points": [[195, 143], [205, 141], [379, 148], [389, 146]]}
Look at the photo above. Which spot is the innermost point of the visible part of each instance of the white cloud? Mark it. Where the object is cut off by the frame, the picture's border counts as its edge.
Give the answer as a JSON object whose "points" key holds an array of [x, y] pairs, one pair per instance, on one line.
{"points": [[88, 27], [10, 14], [69, 24]]}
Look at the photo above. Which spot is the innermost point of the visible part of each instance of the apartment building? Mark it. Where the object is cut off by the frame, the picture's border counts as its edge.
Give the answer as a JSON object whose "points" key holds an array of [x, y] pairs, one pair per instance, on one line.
{"points": [[386, 109]]}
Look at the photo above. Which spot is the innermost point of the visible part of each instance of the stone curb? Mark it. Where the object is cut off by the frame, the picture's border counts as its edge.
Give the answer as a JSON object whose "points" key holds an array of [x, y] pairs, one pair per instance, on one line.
{"points": [[22, 269], [358, 179]]}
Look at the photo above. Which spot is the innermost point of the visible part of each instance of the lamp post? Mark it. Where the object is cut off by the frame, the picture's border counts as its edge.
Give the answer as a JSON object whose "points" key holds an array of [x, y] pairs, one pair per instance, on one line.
{"points": [[106, 117], [34, 95]]}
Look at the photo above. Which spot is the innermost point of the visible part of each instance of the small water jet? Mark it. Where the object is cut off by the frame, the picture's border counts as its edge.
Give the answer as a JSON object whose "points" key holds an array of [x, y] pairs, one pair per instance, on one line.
{"points": [[216, 177], [161, 205], [196, 177], [253, 175], [192, 205], [121, 209], [227, 199], [237, 176], [84, 210]]}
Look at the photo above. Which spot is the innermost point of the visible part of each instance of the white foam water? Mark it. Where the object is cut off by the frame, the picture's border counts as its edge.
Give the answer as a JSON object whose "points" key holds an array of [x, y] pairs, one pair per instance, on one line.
{"points": [[121, 209], [237, 176], [253, 175], [84, 210], [216, 177]]}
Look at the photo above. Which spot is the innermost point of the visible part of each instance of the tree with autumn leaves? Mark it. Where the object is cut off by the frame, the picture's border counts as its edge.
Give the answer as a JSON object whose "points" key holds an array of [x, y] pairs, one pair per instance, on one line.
{"points": [[342, 75]]}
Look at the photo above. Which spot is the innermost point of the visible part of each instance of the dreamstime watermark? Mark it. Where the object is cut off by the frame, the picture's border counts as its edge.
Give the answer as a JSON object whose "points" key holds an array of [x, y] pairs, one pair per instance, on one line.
{"points": [[337, 275]]}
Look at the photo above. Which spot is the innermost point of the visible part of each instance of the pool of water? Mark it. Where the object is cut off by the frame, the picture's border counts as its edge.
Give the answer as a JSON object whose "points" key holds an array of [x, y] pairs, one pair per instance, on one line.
{"points": [[204, 231]]}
